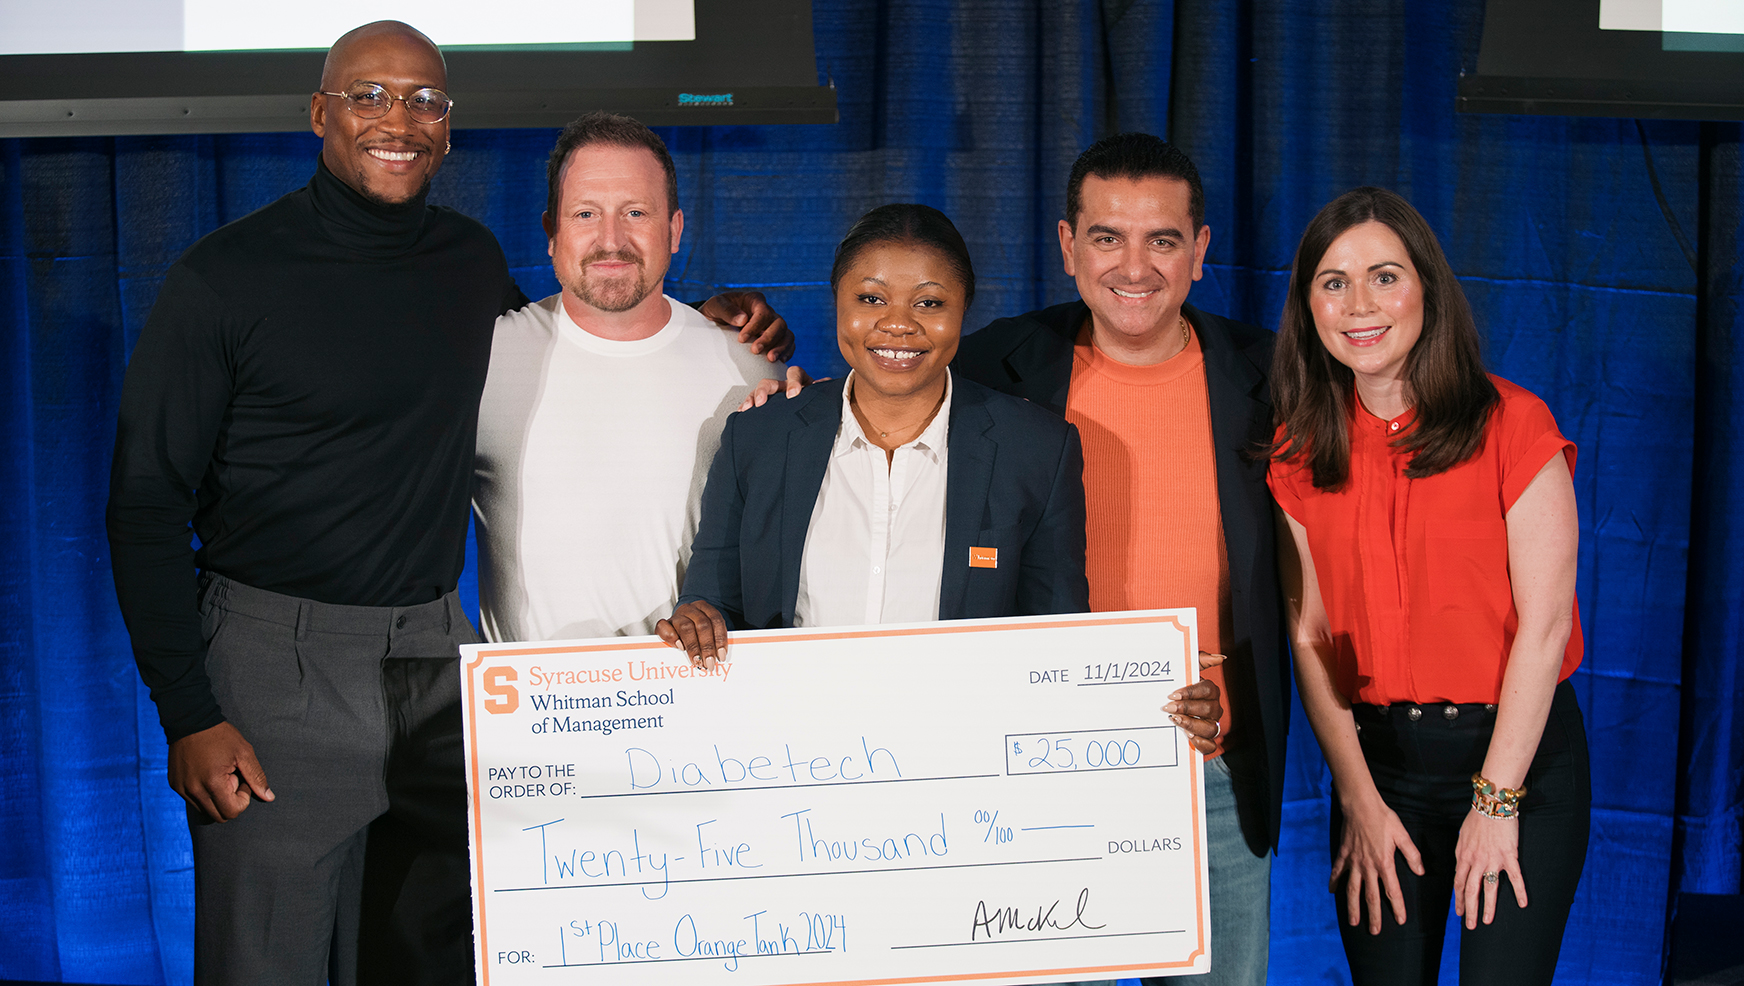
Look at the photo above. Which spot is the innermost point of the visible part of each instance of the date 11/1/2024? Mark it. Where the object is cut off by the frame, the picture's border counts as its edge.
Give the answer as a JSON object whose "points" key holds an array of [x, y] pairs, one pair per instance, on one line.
{"points": [[605, 941], [1110, 673]]}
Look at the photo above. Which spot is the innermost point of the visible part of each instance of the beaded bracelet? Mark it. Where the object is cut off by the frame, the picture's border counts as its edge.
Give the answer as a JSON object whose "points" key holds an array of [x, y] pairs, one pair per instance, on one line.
{"points": [[1496, 802]]}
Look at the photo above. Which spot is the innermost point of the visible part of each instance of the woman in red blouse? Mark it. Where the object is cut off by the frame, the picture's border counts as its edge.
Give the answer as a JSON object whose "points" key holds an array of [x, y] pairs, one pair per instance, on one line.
{"points": [[1430, 572]]}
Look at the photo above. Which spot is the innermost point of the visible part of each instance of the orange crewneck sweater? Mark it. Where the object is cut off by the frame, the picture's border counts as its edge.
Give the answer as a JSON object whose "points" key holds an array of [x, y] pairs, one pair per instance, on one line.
{"points": [[1153, 523]]}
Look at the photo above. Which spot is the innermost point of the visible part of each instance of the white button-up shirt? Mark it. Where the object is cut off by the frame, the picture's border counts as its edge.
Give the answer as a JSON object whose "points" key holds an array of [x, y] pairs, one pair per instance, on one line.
{"points": [[875, 550]]}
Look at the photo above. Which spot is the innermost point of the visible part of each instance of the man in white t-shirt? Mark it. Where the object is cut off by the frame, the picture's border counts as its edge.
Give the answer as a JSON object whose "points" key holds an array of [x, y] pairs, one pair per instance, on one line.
{"points": [[603, 408]]}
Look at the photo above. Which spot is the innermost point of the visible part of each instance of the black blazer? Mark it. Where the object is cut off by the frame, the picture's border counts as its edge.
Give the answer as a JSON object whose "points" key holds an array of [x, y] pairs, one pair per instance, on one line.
{"points": [[1014, 482], [1030, 356]]}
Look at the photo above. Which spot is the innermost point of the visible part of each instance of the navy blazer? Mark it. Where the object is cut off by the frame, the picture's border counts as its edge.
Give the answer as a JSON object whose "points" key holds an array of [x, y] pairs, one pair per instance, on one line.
{"points": [[1030, 356], [1014, 482]]}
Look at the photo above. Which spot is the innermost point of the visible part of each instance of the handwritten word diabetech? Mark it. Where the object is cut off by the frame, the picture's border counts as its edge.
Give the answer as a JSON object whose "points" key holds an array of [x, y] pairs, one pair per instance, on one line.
{"points": [[648, 771]]}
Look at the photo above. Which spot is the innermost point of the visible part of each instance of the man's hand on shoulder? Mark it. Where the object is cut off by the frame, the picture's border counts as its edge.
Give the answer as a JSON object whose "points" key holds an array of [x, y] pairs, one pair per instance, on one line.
{"points": [[796, 381], [759, 325], [216, 771]]}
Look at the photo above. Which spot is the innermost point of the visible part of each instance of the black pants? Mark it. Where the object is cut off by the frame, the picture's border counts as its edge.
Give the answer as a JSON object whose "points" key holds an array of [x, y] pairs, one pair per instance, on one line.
{"points": [[357, 871], [1422, 766]]}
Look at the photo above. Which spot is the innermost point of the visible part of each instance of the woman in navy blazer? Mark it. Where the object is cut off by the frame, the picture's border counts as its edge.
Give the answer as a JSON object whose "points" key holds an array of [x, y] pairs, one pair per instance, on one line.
{"points": [[1014, 496]]}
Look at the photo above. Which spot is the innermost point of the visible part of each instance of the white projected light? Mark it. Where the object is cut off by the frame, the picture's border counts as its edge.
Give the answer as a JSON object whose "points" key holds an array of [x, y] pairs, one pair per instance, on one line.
{"points": [[1674, 16], [28, 27], [1703, 16]]}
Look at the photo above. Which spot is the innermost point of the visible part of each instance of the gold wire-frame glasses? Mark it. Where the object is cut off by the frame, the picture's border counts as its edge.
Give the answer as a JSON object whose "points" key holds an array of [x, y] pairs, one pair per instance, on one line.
{"points": [[371, 101]]}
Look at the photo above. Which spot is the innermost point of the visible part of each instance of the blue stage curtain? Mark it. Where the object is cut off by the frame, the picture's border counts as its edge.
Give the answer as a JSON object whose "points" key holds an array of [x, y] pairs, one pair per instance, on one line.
{"points": [[1711, 807], [1579, 242]]}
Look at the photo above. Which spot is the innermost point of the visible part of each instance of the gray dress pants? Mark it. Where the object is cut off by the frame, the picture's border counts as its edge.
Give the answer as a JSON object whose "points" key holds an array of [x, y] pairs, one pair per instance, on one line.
{"points": [[357, 872]]}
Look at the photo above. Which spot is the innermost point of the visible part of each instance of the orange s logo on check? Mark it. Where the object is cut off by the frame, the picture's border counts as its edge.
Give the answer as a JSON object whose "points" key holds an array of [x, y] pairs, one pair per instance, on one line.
{"points": [[983, 557], [503, 697]]}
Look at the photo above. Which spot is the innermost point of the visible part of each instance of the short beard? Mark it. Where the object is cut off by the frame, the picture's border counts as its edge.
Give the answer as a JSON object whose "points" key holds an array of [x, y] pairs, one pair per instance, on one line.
{"points": [[615, 297]]}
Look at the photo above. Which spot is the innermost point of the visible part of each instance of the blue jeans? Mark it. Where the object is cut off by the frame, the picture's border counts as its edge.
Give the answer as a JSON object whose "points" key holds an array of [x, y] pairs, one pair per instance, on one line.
{"points": [[1241, 894], [1241, 888]]}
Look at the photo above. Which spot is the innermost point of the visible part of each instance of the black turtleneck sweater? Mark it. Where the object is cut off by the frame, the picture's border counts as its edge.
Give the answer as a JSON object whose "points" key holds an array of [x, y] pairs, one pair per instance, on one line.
{"points": [[305, 392]]}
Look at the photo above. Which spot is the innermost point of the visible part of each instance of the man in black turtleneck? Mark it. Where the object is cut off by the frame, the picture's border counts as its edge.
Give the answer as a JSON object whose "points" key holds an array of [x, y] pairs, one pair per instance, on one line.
{"points": [[306, 392], [313, 372]]}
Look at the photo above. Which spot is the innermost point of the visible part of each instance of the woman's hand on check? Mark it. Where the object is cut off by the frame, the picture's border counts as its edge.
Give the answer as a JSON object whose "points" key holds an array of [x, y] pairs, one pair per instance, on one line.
{"points": [[1198, 707], [699, 630]]}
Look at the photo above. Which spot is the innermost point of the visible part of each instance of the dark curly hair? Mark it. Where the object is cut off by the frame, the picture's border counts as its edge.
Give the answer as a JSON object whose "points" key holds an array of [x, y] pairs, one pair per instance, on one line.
{"points": [[1135, 156]]}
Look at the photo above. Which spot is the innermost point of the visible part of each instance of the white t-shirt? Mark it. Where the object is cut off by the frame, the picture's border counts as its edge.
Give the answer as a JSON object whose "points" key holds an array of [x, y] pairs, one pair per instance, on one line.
{"points": [[592, 455]]}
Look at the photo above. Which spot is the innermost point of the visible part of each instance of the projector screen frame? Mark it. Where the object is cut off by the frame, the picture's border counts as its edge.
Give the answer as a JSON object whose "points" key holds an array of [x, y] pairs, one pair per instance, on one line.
{"points": [[1549, 57], [290, 113], [752, 62]]}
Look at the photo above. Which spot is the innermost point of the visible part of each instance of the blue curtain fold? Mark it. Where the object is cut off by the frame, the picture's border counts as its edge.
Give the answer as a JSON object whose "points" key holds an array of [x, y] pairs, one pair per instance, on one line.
{"points": [[1710, 822], [1601, 257]]}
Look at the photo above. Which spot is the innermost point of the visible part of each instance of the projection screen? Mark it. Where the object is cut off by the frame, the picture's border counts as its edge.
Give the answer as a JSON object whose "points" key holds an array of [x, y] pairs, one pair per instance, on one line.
{"points": [[79, 67]]}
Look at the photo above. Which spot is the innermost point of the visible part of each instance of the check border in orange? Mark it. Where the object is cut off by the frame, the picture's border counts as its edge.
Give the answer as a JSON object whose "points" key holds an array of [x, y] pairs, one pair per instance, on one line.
{"points": [[1080, 972]]}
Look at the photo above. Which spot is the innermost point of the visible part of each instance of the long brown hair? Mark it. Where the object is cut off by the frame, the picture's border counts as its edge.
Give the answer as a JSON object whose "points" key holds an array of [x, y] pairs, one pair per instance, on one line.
{"points": [[1444, 373]]}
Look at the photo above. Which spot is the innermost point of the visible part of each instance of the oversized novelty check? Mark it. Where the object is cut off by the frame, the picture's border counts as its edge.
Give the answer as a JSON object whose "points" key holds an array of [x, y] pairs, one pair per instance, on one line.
{"points": [[999, 800]]}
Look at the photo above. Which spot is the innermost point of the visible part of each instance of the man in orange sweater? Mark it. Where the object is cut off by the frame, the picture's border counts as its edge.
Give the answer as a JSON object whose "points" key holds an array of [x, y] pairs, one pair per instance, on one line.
{"points": [[1169, 401]]}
